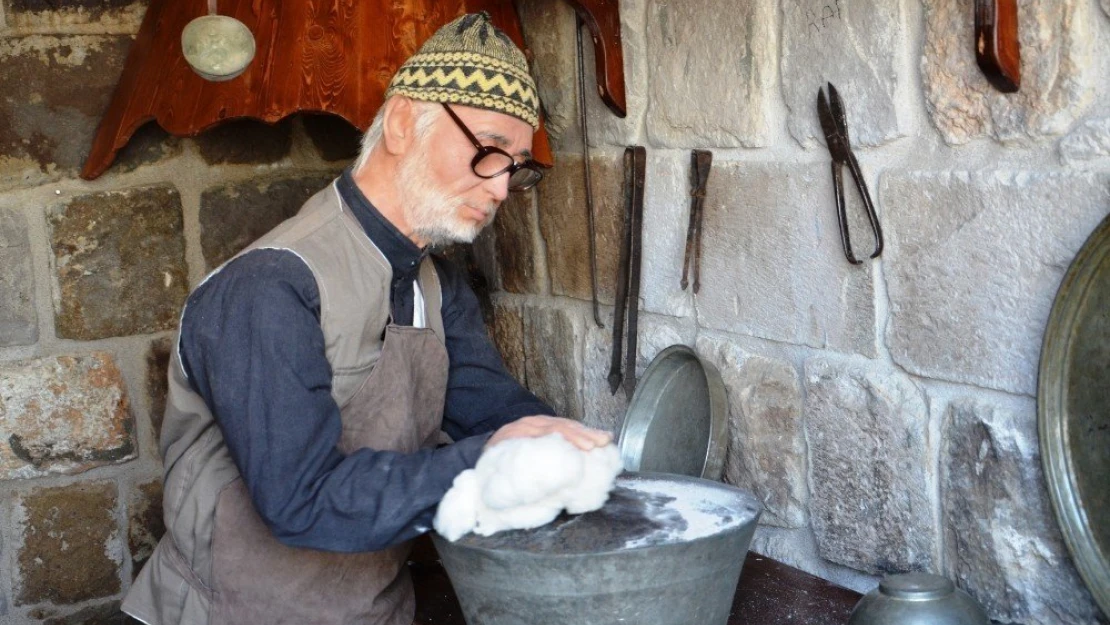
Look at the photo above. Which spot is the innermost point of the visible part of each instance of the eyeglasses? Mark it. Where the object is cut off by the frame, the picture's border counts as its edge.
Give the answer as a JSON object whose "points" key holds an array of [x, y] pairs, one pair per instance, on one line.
{"points": [[491, 162]]}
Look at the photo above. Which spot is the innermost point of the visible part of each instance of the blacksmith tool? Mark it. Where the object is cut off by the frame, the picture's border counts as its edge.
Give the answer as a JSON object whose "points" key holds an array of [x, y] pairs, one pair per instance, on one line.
{"points": [[997, 47], [592, 234], [700, 161], [628, 274], [835, 125]]}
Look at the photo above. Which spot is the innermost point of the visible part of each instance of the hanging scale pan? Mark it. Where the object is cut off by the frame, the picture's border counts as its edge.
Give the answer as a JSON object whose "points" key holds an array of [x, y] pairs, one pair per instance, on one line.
{"points": [[677, 421], [217, 47]]}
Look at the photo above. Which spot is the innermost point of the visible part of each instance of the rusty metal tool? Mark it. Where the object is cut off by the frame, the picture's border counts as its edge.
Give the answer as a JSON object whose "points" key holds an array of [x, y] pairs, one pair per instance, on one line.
{"points": [[628, 274], [997, 48], [835, 124], [700, 162], [590, 225]]}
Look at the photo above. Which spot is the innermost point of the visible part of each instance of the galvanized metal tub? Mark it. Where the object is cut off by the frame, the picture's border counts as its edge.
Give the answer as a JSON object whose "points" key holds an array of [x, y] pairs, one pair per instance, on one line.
{"points": [[650, 556]]}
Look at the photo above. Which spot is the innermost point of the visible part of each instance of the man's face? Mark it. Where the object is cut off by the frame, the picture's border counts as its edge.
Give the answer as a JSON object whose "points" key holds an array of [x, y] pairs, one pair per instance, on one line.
{"points": [[444, 200]]}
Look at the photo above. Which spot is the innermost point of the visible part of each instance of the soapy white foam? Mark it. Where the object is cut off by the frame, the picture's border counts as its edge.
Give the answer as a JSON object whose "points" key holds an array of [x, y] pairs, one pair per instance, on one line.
{"points": [[524, 483], [705, 511]]}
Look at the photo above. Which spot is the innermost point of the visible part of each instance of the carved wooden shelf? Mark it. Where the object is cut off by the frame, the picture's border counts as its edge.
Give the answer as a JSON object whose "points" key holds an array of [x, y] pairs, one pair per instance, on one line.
{"points": [[313, 56]]}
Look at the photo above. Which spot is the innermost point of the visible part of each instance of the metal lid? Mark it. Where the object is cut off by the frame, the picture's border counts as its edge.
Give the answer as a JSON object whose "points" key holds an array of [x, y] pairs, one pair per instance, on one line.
{"points": [[677, 421], [916, 586], [1073, 410]]}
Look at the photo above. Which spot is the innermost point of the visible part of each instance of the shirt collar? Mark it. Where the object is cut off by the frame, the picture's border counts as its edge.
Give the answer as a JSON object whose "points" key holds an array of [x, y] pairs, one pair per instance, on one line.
{"points": [[403, 255]]}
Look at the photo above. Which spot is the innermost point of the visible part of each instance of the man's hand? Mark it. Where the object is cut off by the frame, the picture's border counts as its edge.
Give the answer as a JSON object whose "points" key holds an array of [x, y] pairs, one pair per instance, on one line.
{"points": [[577, 434]]}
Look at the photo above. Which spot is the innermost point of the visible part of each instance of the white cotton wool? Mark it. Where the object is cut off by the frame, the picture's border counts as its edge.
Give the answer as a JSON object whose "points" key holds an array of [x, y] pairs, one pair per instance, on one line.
{"points": [[523, 483]]}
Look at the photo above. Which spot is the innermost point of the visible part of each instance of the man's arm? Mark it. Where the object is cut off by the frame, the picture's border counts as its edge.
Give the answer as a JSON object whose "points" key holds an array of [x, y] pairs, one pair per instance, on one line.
{"points": [[252, 346], [481, 395]]}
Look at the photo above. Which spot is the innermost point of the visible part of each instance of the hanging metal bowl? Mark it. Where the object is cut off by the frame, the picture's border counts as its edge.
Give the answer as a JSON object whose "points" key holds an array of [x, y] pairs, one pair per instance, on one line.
{"points": [[1073, 408], [217, 47]]}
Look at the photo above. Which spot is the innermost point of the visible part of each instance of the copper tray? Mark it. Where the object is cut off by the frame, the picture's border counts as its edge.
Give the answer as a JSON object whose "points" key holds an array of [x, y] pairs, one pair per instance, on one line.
{"points": [[1073, 408]]}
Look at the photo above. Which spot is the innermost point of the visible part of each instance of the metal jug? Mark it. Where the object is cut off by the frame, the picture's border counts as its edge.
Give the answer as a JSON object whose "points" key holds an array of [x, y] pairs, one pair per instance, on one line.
{"points": [[917, 599]]}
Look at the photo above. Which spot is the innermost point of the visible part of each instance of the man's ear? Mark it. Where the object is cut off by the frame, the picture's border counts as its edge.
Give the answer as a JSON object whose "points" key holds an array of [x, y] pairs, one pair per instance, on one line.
{"points": [[398, 125]]}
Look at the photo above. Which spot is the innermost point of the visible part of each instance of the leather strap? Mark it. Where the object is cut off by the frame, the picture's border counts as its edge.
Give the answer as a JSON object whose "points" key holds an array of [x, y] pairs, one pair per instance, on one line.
{"points": [[700, 162], [628, 278], [639, 165], [615, 376]]}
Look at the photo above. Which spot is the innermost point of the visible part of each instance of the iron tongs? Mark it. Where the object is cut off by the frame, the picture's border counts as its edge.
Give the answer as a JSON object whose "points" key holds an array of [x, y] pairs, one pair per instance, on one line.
{"points": [[835, 125]]}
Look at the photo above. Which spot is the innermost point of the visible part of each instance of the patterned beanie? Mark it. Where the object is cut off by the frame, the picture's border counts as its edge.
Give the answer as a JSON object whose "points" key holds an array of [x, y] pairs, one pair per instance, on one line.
{"points": [[472, 62]]}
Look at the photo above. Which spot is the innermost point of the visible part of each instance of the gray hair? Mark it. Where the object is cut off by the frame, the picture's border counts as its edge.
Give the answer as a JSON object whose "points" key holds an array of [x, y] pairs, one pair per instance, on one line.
{"points": [[425, 115]]}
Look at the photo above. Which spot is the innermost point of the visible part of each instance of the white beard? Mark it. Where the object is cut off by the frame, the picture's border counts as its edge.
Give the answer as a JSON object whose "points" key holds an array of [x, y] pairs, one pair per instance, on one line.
{"points": [[433, 214]]}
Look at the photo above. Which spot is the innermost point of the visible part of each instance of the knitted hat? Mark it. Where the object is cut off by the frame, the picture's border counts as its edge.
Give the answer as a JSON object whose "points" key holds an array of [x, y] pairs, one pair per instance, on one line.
{"points": [[470, 61]]}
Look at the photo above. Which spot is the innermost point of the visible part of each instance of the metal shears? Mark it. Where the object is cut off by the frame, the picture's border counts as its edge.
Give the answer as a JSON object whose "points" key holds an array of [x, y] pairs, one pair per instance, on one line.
{"points": [[835, 125]]}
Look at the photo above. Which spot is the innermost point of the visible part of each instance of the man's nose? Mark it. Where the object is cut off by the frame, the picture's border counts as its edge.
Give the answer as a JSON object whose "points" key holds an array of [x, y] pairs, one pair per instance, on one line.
{"points": [[499, 187]]}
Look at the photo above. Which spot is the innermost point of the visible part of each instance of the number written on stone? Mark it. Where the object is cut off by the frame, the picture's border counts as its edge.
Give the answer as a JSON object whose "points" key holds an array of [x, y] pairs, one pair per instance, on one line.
{"points": [[823, 17]]}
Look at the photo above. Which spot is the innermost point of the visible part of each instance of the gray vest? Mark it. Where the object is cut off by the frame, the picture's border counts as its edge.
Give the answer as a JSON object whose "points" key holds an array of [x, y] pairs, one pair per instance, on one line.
{"points": [[218, 563]]}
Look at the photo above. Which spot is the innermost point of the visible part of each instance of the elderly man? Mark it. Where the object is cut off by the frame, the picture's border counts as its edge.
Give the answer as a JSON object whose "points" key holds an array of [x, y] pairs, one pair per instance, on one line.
{"points": [[315, 371]]}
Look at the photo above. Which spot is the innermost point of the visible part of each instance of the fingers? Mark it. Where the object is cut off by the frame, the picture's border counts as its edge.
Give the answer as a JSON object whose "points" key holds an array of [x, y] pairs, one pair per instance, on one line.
{"points": [[580, 436]]}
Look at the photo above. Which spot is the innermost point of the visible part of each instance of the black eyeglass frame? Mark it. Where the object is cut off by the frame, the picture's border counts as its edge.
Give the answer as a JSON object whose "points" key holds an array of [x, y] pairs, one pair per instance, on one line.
{"points": [[486, 150]]}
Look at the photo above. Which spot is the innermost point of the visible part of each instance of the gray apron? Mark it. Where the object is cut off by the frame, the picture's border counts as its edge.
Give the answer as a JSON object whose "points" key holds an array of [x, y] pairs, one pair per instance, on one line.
{"points": [[256, 579]]}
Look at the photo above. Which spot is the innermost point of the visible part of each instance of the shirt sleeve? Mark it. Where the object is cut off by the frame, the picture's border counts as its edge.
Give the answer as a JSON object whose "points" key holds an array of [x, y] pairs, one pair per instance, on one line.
{"points": [[252, 347], [481, 395]]}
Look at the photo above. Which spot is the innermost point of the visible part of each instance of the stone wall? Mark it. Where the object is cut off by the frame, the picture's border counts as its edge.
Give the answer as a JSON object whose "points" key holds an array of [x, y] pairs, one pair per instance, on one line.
{"points": [[92, 278], [885, 413]]}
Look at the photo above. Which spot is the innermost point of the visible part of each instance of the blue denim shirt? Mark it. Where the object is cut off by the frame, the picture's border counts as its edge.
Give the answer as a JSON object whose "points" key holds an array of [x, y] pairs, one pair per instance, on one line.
{"points": [[253, 348]]}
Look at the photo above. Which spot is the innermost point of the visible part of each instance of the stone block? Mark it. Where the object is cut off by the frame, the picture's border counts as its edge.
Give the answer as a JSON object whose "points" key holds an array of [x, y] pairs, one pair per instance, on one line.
{"points": [[858, 47], [466, 258], [549, 33], [602, 408], [63, 14], [606, 410], [507, 332], [157, 381], [234, 215], [482, 264], [101, 614], [772, 263], [1057, 63], [552, 358], [518, 252], [65, 414], [666, 219], [246, 142], [18, 319], [1088, 142], [53, 92], [767, 448], [696, 60], [150, 144], [563, 225], [973, 268], [1003, 543], [335, 138], [549, 36], [605, 127], [145, 525], [871, 492], [120, 263], [70, 549]]}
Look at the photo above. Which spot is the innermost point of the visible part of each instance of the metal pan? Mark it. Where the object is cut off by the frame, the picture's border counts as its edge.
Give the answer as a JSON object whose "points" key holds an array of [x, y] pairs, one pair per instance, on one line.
{"points": [[677, 421], [1073, 410]]}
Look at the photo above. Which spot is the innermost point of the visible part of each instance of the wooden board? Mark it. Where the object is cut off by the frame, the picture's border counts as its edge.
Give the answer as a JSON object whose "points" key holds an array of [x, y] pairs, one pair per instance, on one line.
{"points": [[313, 56]]}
